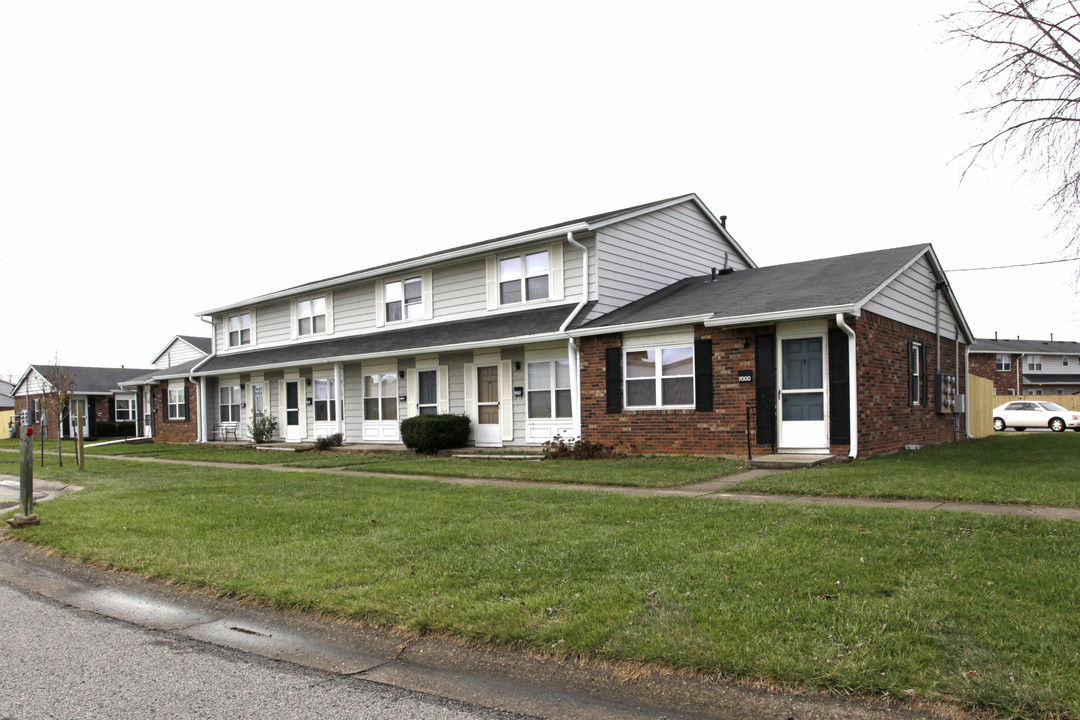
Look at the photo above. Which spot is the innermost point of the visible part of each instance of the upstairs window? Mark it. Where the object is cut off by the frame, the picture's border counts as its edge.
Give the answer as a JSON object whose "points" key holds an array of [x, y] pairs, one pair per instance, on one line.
{"points": [[239, 329], [1002, 362], [1064, 361], [311, 316], [1034, 362], [659, 377], [524, 278], [404, 300]]}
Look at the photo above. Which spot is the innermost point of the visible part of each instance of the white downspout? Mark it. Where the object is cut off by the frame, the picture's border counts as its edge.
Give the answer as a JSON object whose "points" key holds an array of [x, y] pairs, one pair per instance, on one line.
{"points": [[575, 356], [338, 389], [853, 390], [967, 392], [201, 384]]}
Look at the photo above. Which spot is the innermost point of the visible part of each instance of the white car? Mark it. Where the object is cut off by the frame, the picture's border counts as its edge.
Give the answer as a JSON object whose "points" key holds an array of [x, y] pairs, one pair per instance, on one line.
{"points": [[1024, 414]]}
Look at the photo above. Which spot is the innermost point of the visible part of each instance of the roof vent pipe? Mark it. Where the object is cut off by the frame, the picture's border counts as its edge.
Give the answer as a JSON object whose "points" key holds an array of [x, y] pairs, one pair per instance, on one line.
{"points": [[723, 221], [713, 279], [995, 334]]}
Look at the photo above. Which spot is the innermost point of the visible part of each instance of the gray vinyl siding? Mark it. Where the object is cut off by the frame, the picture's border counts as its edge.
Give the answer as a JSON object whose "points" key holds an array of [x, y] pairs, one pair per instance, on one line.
{"points": [[572, 269], [178, 353], [910, 299], [354, 308], [354, 402], [272, 324], [517, 354], [455, 364], [459, 289], [644, 254]]}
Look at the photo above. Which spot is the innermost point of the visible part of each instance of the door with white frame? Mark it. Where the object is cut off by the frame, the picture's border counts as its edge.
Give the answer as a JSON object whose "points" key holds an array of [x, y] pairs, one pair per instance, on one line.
{"points": [[74, 408], [293, 405], [488, 418], [803, 397], [381, 406], [148, 411]]}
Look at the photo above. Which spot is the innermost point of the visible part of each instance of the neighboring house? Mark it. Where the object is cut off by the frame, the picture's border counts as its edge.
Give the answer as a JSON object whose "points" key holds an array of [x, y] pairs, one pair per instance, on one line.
{"points": [[648, 325], [167, 397], [7, 405], [96, 390], [1027, 367]]}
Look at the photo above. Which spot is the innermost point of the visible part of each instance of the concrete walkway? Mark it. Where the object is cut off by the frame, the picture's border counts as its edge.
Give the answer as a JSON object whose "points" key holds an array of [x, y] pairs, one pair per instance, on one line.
{"points": [[715, 488]]}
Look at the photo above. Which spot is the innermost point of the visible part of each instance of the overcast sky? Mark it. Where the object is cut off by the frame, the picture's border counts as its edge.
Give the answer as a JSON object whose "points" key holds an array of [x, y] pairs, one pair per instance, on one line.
{"points": [[158, 159]]}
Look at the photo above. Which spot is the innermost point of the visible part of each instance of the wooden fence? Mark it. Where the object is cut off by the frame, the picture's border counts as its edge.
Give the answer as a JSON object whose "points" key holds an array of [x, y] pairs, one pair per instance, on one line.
{"points": [[982, 401]]}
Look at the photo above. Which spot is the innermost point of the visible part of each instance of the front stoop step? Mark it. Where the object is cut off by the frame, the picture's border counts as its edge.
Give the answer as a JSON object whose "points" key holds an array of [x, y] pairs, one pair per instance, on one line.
{"points": [[790, 462], [286, 447]]}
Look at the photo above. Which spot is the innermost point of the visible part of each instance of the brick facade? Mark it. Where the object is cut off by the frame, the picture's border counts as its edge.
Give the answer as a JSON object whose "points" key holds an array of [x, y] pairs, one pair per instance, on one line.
{"points": [[1005, 382], [887, 422], [175, 431]]}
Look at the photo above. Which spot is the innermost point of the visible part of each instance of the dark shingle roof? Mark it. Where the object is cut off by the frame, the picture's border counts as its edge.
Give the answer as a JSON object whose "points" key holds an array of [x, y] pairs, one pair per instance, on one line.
{"points": [[508, 327], [820, 283], [93, 380], [1007, 346], [204, 344], [181, 370]]}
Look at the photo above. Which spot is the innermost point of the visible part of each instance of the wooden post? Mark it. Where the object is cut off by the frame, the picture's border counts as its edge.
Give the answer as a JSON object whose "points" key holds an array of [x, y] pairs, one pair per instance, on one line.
{"points": [[26, 514], [80, 456]]}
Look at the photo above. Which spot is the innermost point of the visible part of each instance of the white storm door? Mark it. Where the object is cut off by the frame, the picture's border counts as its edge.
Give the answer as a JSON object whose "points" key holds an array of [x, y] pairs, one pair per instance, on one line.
{"points": [[74, 408], [292, 411], [488, 420], [148, 411], [802, 394]]}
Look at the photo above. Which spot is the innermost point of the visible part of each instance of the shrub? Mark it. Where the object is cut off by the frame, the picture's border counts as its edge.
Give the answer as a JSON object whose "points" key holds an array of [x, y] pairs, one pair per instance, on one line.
{"points": [[570, 448], [428, 434], [263, 428], [106, 428], [329, 441]]}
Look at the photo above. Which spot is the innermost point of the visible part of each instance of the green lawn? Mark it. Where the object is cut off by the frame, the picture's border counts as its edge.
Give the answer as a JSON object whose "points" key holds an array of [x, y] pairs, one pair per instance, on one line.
{"points": [[1027, 469], [980, 610], [655, 472]]}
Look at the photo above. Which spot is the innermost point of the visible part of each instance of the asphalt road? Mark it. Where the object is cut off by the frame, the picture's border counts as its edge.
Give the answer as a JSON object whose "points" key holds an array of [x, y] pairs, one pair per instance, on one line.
{"points": [[59, 662]]}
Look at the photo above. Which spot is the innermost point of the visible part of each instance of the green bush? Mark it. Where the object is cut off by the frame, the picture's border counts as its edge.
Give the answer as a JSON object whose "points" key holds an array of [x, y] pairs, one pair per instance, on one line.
{"points": [[329, 441], [263, 428], [108, 428], [429, 434]]}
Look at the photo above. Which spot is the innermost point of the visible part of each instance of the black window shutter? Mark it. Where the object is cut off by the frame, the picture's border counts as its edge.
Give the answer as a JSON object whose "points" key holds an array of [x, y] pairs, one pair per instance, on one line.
{"points": [[765, 384], [913, 380], [839, 386], [613, 377], [112, 409], [165, 403], [187, 403], [703, 388], [91, 419]]}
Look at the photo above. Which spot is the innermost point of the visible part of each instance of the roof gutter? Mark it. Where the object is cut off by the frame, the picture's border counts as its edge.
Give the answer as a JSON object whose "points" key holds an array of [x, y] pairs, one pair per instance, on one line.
{"points": [[853, 390], [644, 325], [782, 315]]}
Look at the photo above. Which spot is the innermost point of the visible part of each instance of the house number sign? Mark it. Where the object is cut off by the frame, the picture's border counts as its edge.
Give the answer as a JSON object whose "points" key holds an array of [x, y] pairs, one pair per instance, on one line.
{"points": [[746, 376]]}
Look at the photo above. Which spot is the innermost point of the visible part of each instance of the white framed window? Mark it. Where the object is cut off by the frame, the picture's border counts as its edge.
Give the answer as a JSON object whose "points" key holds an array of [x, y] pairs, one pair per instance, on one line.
{"points": [[524, 278], [229, 403], [915, 373], [427, 392], [1064, 361], [1002, 362], [548, 389], [1061, 391], [1036, 391], [125, 409], [325, 405], [404, 299], [240, 329], [177, 401], [1010, 391], [380, 396], [659, 377], [311, 316], [1034, 362]]}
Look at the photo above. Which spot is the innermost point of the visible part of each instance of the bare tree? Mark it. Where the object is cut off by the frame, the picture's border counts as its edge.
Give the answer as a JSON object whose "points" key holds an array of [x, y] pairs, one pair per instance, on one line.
{"points": [[56, 398], [1033, 83]]}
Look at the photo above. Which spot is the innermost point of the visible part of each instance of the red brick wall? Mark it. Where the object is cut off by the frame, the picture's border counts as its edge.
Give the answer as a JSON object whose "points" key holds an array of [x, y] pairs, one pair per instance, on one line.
{"points": [[887, 422], [985, 366], [178, 431]]}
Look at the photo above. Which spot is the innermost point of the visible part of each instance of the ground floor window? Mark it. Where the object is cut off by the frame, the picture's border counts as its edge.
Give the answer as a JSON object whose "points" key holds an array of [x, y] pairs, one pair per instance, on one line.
{"points": [[659, 377], [177, 403], [229, 403], [125, 409], [325, 405], [428, 392], [548, 389], [380, 396]]}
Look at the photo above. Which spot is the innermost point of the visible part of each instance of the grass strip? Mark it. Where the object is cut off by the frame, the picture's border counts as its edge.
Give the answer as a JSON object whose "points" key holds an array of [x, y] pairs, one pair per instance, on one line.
{"points": [[979, 610], [1024, 469]]}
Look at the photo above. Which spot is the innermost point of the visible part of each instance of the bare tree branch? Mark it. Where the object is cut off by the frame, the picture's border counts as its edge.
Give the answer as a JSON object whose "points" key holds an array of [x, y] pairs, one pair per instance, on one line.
{"points": [[1034, 77]]}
